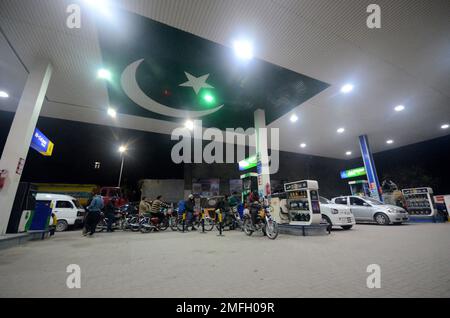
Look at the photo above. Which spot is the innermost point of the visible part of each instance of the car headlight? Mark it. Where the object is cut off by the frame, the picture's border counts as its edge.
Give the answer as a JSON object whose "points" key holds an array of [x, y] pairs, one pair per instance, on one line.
{"points": [[334, 211]]}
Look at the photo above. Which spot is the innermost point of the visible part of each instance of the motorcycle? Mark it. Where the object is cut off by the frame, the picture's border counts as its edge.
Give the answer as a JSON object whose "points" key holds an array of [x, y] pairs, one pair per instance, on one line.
{"points": [[102, 225], [153, 223], [264, 222], [232, 221]]}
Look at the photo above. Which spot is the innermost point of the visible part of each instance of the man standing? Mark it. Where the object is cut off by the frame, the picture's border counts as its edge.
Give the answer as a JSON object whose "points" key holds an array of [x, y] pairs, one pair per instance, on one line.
{"points": [[110, 210], [95, 209], [189, 208]]}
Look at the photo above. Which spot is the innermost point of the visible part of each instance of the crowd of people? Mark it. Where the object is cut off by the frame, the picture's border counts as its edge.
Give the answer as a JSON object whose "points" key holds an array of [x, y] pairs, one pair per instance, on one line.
{"points": [[153, 208]]}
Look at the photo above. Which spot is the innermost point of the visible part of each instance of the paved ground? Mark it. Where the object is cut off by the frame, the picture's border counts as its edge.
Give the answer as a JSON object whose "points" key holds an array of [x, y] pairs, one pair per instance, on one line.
{"points": [[414, 260]]}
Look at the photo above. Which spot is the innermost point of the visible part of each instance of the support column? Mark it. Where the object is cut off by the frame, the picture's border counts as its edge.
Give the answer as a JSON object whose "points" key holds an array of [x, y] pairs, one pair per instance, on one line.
{"points": [[20, 134], [262, 153], [369, 164]]}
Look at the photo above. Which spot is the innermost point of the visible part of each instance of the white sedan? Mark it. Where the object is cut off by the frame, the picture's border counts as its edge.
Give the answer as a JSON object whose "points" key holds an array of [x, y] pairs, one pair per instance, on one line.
{"points": [[336, 214]]}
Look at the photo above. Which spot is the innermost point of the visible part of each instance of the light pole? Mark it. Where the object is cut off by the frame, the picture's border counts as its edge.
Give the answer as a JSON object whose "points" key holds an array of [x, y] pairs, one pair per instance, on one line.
{"points": [[122, 150]]}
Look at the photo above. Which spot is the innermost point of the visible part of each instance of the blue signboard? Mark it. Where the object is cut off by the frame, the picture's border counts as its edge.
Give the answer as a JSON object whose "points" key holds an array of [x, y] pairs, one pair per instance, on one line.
{"points": [[41, 143], [374, 184]]}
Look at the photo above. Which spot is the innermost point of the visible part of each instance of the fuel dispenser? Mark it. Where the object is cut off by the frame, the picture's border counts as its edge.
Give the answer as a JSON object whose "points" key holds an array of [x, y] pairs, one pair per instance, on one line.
{"points": [[302, 198], [360, 188]]}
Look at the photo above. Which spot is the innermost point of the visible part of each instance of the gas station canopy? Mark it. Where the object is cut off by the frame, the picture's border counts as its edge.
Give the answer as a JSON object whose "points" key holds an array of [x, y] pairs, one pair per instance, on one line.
{"points": [[168, 54]]}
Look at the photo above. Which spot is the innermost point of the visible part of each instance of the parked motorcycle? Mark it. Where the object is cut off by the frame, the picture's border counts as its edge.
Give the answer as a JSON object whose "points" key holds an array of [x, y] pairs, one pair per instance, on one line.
{"points": [[264, 222], [231, 221], [154, 223]]}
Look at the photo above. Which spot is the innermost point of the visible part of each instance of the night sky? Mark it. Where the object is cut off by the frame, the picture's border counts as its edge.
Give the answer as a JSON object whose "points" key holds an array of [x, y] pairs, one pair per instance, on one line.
{"points": [[79, 145]]}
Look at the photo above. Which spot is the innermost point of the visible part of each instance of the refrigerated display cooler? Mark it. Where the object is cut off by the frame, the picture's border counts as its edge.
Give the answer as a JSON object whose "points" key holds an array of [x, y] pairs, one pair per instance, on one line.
{"points": [[420, 203], [303, 202]]}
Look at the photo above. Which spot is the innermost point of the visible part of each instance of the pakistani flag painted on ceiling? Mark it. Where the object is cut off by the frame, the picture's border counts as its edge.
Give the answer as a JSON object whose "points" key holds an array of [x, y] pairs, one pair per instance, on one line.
{"points": [[164, 73]]}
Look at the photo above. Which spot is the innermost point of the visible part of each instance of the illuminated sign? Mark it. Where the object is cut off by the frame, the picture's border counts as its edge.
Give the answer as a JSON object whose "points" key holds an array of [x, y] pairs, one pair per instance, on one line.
{"points": [[41, 143], [357, 172], [248, 163]]}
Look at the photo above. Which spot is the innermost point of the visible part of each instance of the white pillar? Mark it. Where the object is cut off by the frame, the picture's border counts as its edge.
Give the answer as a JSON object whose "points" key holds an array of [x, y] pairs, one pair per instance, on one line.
{"points": [[20, 134], [262, 153]]}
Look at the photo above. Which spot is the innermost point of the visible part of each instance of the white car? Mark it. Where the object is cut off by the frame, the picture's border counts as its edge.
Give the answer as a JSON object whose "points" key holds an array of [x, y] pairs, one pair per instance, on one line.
{"points": [[366, 209], [67, 209], [336, 215]]}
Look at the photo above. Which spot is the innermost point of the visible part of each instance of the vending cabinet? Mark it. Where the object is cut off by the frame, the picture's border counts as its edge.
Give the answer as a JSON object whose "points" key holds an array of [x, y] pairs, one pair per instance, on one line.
{"points": [[303, 202]]}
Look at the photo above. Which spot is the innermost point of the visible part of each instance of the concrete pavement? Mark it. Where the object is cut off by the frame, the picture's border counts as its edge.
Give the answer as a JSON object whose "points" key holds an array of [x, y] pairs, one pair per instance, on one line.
{"points": [[414, 260]]}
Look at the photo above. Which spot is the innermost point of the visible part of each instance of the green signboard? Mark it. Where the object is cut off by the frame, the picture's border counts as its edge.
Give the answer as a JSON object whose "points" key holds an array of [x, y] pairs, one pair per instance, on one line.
{"points": [[357, 172], [248, 163]]}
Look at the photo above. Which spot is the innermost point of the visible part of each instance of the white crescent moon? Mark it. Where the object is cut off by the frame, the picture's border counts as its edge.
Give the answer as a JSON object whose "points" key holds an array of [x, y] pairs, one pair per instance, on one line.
{"points": [[135, 93]]}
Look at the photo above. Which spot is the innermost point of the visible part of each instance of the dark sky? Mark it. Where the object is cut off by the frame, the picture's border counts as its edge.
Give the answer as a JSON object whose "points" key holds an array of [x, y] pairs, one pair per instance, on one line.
{"points": [[79, 145]]}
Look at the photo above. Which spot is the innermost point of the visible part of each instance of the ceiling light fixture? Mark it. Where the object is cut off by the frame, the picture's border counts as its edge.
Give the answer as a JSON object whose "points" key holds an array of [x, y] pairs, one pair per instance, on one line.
{"points": [[243, 49], [389, 142], [4, 94], [104, 74], [348, 153], [340, 130], [294, 118], [112, 112], [347, 88], [303, 145], [399, 108], [445, 126], [189, 124]]}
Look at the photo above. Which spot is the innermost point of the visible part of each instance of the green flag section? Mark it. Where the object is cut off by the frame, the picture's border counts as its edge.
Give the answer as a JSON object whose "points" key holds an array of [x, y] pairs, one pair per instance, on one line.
{"points": [[161, 72]]}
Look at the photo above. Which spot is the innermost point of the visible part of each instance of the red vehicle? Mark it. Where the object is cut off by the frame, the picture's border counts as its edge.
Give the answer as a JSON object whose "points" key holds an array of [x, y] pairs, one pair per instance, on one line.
{"points": [[109, 192]]}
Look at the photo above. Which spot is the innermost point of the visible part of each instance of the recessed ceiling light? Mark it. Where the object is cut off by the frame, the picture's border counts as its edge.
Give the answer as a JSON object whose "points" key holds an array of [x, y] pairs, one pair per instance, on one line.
{"points": [[112, 112], [303, 145], [340, 130], [347, 88], [122, 149], [348, 153], [390, 141], [399, 108], [104, 74], [445, 126], [294, 118], [189, 124], [243, 49], [4, 94], [101, 6]]}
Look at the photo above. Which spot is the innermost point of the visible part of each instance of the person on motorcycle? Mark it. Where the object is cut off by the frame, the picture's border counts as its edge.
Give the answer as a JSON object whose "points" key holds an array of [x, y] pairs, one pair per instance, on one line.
{"points": [[110, 210], [155, 210], [144, 207], [189, 206], [254, 207], [234, 200], [224, 206]]}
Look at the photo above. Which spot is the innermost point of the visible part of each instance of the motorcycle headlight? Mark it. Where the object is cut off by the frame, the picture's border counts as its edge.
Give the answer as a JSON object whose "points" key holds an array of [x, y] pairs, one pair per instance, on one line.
{"points": [[334, 211]]}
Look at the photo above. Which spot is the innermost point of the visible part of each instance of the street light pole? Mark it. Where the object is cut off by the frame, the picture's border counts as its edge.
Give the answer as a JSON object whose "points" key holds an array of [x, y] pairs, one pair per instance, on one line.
{"points": [[122, 150], [121, 170]]}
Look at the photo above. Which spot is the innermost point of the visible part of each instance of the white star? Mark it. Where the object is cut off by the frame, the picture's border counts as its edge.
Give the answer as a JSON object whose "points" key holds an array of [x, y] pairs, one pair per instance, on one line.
{"points": [[197, 83]]}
